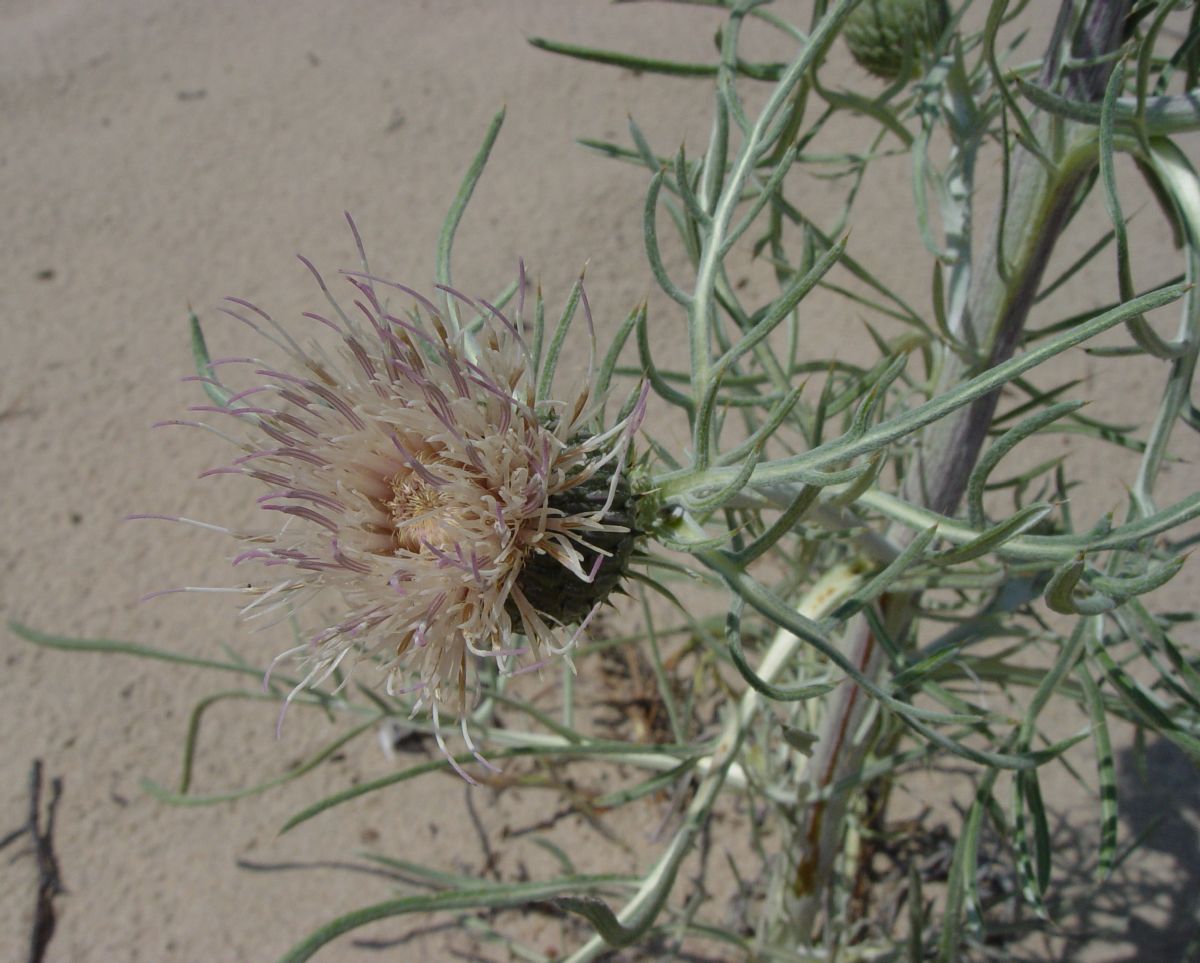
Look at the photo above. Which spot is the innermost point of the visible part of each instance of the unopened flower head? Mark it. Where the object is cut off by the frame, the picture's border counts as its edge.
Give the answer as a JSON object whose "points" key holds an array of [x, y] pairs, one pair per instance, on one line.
{"points": [[420, 483]]}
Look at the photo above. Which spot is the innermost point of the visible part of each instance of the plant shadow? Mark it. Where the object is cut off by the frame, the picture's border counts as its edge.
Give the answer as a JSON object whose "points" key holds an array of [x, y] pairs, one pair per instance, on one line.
{"points": [[1148, 909]]}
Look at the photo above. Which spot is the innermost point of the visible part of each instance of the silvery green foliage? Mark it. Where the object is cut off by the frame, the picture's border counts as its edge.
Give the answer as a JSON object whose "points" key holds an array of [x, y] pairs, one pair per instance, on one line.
{"points": [[892, 591], [874, 492]]}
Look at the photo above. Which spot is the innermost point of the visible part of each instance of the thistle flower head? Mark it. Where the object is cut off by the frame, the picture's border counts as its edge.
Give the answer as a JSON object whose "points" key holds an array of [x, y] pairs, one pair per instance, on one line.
{"points": [[417, 481]]}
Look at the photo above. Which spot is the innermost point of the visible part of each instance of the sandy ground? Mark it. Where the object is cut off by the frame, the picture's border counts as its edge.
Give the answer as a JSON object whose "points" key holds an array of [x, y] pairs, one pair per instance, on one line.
{"points": [[156, 154]]}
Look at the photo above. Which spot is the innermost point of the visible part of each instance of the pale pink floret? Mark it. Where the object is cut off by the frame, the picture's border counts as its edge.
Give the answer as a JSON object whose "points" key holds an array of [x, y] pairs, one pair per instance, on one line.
{"points": [[412, 477]]}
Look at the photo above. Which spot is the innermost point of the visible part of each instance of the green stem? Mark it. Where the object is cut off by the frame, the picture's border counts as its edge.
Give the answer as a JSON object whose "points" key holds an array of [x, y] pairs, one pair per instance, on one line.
{"points": [[1038, 203], [640, 911]]}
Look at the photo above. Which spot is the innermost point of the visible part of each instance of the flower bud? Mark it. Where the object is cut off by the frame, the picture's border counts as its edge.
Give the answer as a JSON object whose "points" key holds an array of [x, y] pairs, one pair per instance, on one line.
{"points": [[884, 35]]}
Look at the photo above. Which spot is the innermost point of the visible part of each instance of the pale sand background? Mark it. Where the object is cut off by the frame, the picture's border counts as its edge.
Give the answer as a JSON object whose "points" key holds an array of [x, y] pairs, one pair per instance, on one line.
{"points": [[157, 153]]}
